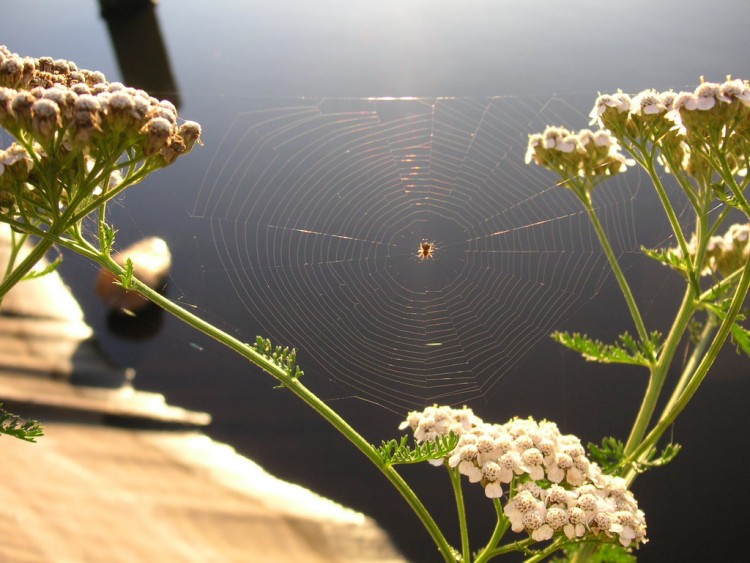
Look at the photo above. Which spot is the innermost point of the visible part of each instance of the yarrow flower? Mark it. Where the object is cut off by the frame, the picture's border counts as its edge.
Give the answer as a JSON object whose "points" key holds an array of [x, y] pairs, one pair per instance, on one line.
{"points": [[553, 487], [66, 118], [687, 127], [571, 154], [55, 101]]}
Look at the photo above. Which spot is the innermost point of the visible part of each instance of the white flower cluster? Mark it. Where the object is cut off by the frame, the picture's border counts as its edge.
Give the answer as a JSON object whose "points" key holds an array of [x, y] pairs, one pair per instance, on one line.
{"points": [[673, 105], [685, 131], [62, 106], [687, 126], [724, 254], [607, 508], [553, 486], [577, 154]]}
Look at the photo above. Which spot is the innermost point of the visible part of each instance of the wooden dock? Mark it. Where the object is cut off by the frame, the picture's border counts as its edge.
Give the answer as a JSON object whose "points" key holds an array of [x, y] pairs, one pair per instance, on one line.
{"points": [[122, 476]]}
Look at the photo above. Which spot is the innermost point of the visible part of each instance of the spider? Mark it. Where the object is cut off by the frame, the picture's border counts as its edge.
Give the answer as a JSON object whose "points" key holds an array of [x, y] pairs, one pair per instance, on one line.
{"points": [[425, 250]]}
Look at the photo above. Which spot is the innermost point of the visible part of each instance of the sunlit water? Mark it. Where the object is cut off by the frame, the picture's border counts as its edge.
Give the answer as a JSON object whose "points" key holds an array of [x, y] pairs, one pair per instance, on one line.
{"points": [[318, 248]]}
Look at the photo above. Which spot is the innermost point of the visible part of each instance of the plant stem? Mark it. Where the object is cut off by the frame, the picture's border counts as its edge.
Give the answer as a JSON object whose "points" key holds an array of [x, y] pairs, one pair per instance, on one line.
{"points": [[659, 372], [584, 553], [500, 528], [712, 322], [11, 278], [549, 550], [461, 508], [700, 373], [614, 264], [293, 384], [519, 545], [669, 211]]}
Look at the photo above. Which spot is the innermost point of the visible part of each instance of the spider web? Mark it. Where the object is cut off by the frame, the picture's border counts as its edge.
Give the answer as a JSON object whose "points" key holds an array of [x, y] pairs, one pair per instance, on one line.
{"points": [[318, 208]]}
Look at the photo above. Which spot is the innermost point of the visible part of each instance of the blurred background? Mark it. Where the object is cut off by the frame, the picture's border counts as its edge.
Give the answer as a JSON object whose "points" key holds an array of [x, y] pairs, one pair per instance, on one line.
{"points": [[225, 63]]}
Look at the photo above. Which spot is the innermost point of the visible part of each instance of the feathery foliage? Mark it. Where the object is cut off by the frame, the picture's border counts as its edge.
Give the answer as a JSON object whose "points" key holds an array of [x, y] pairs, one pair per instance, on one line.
{"points": [[285, 358], [14, 425], [627, 351], [396, 452]]}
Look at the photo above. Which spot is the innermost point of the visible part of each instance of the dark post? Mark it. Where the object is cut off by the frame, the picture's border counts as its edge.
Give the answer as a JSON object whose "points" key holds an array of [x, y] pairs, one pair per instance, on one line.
{"points": [[141, 53]]}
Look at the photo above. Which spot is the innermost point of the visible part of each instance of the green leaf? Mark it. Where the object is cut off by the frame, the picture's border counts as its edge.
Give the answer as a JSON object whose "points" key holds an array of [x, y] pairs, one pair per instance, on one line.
{"points": [[106, 238], [285, 358], [48, 269], [669, 452], [127, 278], [15, 426], [399, 452], [741, 339], [740, 335], [609, 455], [627, 351], [724, 194], [716, 292], [668, 257]]}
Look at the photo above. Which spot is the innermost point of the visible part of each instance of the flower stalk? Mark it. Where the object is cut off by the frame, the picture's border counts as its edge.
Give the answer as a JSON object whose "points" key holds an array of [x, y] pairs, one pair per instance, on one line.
{"points": [[80, 141]]}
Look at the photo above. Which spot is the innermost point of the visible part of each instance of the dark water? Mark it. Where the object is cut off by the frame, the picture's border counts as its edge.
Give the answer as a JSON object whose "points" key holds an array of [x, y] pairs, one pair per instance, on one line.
{"points": [[242, 227]]}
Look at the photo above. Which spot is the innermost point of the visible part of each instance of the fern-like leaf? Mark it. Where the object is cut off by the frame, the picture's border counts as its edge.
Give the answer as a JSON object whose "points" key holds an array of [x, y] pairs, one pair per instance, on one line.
{"points": [[609, 455], [13, 425], [740, 335], [399, 452], [48, 269], [669, 452], [106, 238], [667, 257], [126, 280], [284, 358], [627, 351], [723, 193], [741, 339]]}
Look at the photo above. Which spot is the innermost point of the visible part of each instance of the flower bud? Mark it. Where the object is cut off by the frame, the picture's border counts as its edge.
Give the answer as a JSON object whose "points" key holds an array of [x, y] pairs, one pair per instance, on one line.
{"points": [[15, 165], [157, 131], [190, 131], [120, 115], [11, 71], [85, 119], [6, 112], [21, 107], [45, 118]]}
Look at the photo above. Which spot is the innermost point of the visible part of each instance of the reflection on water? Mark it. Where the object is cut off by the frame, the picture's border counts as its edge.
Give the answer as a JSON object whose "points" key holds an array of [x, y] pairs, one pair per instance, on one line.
{"points": [[136, 37], [295, 49]]}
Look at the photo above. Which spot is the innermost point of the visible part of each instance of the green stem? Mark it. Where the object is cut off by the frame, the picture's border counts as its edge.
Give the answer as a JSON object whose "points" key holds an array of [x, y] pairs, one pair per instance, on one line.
{"points": [[584, 553], [659, 371], [461, 508], [293, 384], [614, 264], [519, 545], [128, 181], [549, 550], [712, 322], [13, 277], [672, 217], [700, 373], [726, 174], [677, 331], [17, 240], [502, 525]]}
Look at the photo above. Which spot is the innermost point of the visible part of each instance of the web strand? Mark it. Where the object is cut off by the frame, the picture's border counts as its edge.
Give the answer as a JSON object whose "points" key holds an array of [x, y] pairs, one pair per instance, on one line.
{"points": [[318, 211]]}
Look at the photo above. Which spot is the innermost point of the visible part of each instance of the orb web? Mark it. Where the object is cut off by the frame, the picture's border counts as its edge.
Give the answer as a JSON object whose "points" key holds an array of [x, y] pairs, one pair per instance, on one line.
{"points": [[318, 210]]}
